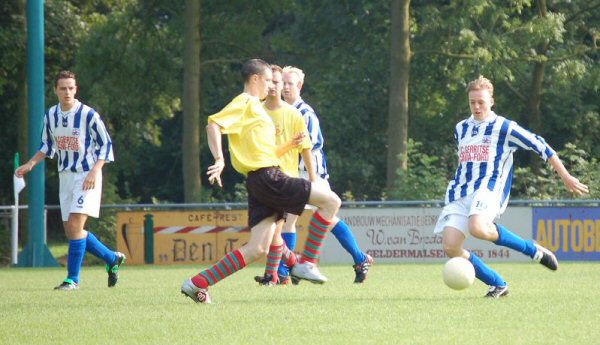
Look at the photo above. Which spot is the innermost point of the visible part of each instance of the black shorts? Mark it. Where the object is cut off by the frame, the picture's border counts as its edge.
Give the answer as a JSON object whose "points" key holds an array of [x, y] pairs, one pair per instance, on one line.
{"points": [[270, 191]]}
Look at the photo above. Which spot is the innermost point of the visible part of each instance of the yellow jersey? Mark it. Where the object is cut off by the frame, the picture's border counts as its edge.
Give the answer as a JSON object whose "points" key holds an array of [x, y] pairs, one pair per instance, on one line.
{"points": [[288, 121], [251, 134]]}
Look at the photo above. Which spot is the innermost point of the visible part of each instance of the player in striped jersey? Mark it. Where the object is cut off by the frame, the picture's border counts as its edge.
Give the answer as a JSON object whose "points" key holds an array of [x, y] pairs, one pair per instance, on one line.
{"points": [[76, 134], [479, 192], [293, 80]]}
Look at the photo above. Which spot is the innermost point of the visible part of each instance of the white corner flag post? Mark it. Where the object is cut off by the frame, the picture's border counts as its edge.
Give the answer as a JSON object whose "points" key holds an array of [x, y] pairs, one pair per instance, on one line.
{"points": [[18, 185]]}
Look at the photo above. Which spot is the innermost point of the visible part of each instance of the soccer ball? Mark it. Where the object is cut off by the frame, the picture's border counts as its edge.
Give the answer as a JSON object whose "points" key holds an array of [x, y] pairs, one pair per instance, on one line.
{"points": [[459, 273]]}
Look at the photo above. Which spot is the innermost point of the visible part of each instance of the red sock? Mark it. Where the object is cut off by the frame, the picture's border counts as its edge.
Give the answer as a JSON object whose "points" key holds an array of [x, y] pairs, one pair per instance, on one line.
{"points": [[231, 263], [317, 231], [273, 259], [288, 257]]}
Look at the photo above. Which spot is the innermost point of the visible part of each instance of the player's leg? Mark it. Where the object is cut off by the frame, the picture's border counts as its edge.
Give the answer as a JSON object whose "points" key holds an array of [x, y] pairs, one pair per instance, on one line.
{"points": [[77, 244], [453, 240], [288, 258], [362, 261], [270, 277], [453, 224], [88, 202], [327, 203], [261, 236], [482, 226]]}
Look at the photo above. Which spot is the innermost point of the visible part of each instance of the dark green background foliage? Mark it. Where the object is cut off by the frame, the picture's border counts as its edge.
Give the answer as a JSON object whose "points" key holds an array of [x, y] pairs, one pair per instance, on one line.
{"points": [[129, 54]]}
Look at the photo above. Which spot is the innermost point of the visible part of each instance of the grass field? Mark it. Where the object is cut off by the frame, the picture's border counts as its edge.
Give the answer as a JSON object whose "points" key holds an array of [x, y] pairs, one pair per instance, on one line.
{"points": [[399, 304]]}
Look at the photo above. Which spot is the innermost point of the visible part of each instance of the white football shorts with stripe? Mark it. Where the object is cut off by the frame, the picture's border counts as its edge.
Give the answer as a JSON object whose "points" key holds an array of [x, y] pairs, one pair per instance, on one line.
{"points": [[456, 214], [73, 199]]}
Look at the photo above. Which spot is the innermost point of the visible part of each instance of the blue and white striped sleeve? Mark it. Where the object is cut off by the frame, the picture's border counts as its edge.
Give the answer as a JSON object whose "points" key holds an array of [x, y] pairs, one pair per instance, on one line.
{"points": [[103, 143], [520, 137], [48, 145], [314, 130]]}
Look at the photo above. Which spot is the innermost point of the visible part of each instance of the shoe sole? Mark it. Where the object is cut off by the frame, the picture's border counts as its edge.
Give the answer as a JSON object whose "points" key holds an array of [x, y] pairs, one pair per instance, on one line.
{"points": [[314, 281]]}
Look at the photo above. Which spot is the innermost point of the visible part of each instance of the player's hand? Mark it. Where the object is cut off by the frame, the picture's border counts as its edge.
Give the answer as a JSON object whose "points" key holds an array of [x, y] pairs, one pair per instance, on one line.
{"points": [[574, 186], [24, 169], [214, 172], [90, 180], [297, 138]]}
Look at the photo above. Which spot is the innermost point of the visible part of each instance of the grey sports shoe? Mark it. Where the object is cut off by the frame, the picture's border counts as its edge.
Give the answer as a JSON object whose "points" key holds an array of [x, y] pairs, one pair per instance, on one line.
{"points": [[113, 271], [545, 257], [308, 271], [497, 291], [198, 295], [67, 285]]}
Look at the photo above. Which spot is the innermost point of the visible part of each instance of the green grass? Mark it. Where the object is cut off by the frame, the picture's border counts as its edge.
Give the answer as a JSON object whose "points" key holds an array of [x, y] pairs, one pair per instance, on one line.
{"points": [[399, 304]]}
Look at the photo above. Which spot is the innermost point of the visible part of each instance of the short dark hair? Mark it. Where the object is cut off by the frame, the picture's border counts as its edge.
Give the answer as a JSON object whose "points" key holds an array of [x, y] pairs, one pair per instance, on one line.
{"points": [[252, 67], [64, 75]]}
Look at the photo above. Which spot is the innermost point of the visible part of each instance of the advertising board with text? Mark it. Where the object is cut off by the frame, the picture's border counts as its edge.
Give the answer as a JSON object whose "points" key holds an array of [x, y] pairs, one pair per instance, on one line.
{"points": [[406, 235], [572, 233]]}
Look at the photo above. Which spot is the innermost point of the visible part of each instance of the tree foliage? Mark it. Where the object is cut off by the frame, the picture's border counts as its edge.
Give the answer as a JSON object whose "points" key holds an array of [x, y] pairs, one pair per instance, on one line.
{"points": [[129, 59]]}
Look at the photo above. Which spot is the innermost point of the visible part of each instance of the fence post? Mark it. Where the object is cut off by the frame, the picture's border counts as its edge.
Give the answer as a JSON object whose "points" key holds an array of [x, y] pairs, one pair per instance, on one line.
{"points": [[149, 238]]}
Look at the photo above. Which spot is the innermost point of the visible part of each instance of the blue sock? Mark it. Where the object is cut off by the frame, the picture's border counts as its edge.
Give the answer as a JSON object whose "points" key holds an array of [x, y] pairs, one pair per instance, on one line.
{"points": [[342, 232], [99, 250], [75, 258], [484, 273], [290, 241], [507, 238]]}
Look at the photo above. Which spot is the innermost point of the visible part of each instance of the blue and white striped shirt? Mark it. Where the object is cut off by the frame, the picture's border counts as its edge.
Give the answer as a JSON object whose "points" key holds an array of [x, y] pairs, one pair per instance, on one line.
{"points": [[78, 136], [316, 137], [485, 156]]}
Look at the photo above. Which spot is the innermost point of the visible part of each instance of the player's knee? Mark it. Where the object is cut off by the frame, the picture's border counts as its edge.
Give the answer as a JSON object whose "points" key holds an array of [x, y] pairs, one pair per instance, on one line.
{"points": [[253, 253], [452, 250], [334, 202], [483, 231]]}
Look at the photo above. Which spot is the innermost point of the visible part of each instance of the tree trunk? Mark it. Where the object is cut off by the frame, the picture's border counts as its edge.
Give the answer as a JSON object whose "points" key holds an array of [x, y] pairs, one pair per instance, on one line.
{"points": [[192, 184], [397, 136], [537, 80]]}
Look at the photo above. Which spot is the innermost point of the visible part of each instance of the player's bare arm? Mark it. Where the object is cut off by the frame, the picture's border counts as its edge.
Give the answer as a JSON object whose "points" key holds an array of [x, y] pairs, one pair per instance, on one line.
{"points": [[214, 135], [27, 167], [307, 157], [292, 143], [571, 182]]}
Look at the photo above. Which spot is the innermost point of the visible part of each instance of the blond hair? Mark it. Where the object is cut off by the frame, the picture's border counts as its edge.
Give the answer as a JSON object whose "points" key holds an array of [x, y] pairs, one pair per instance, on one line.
{"points": [[276, 68], [297, 71], [481, 83]]}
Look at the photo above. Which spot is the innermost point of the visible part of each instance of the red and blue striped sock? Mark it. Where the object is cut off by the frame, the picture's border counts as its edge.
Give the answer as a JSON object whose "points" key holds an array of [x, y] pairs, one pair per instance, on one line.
{"points": [[273, 258], [231, 263], [317, 231]]}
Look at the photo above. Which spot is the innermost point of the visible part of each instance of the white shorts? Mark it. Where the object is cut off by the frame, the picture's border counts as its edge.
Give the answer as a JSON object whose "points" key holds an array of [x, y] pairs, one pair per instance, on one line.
{"points": [[456, 214], [73, 199]]}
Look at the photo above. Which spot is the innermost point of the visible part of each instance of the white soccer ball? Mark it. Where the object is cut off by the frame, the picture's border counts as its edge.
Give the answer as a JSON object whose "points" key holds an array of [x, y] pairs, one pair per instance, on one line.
{"points": [[459, 273]]}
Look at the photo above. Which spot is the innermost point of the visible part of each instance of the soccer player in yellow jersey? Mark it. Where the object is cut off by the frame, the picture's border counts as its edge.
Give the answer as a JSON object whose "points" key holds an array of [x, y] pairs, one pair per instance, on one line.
{"points": [[271, 193], [288, 122]]}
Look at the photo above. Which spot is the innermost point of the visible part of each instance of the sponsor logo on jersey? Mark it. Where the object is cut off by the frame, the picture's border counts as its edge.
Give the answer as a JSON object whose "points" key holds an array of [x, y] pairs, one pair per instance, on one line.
{"points": [[67, 143], [474, 153]]}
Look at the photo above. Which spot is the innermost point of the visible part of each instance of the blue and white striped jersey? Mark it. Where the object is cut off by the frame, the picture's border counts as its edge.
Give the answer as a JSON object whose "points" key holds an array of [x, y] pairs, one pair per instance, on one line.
{"points": [[316, 137], [485, 155], [78, 136]]}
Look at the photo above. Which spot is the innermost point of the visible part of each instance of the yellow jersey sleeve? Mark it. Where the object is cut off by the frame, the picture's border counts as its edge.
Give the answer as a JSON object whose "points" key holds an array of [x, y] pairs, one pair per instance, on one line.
{"points": [[251, 134]]}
